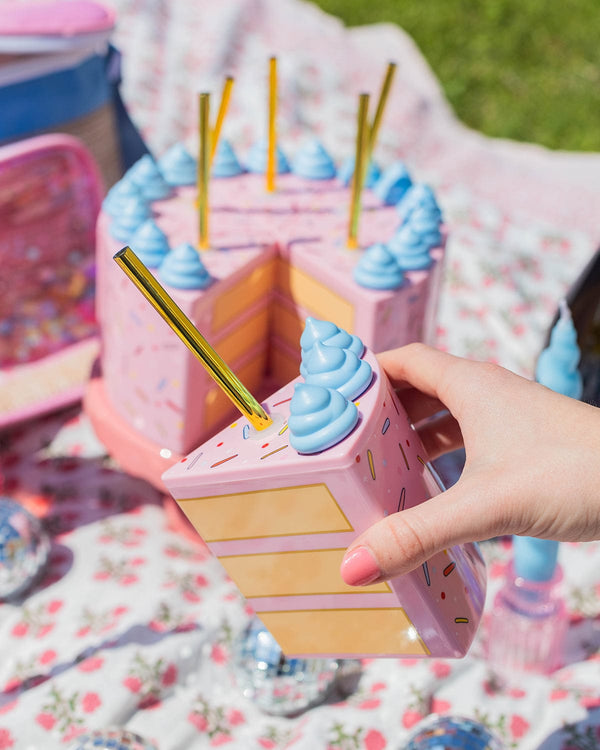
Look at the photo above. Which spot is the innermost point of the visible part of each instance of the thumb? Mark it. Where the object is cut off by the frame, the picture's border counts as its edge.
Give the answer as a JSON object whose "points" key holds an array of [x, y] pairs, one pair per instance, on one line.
{"points": [[401, 542]]}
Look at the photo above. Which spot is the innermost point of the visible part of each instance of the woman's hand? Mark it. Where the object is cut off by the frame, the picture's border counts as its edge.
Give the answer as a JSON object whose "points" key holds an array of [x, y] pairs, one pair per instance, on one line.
{"points": [[532, 463]]}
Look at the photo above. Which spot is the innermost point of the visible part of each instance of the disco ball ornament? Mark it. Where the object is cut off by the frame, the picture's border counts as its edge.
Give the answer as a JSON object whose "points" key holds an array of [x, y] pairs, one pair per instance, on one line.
{"points": [[277, 685], [111, 739], [24, 548], [452, 733]]}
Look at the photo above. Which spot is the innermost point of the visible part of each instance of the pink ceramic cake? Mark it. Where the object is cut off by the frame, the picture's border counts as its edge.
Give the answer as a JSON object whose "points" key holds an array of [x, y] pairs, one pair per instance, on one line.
{"points": [[275, 259], [280, 506]]}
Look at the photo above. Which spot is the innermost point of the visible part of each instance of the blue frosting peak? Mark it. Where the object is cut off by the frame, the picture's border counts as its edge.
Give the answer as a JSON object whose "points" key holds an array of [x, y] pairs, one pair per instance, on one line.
{"points": [[557, 365], [346, 171], [119, 193], [393, 184], [534, 559], [326, 331], [313, 162], [183, 269], [412, 242], [225, 163], [178, 167], [257, 158], [378, 269], [147, 176], [319, 418], [418, 195], [340, 369], [150, 244], [132, 213]]}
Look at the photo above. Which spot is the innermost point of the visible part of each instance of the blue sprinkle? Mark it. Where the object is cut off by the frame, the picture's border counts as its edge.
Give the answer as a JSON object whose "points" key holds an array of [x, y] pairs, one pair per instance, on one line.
{"points": [[246, 431], [386, 424]]}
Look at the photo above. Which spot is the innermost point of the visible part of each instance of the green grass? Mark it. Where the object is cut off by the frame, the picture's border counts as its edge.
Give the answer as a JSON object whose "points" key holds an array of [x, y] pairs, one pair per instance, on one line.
{"points": [[522, 69]]}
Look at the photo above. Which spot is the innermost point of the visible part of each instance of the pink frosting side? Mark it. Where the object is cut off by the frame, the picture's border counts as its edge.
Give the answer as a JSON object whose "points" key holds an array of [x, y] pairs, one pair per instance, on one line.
{"points": [[60, 18]]}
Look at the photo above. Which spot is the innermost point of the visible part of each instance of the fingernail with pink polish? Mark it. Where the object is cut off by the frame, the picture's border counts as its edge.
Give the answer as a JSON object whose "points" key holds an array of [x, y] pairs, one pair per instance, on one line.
{"points": [[359, 567]]}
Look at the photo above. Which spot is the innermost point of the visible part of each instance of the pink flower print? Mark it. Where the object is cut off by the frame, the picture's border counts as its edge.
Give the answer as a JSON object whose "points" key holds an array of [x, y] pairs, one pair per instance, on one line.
{"points": [[169, 676], [72, 732], [235, 717], [439, 706], [369, 703], [266, 743], [377, 686], [82, 632], [138, 561], [45, 720], [134, 684], [90, 702], [191, 596], [7, 707], [199, 721], [517, 693], [101, 575], [118, 611], [14, 683], [411, 717], [201, 581], [558, 694], [44, 630], [91, 664], [374, 740], [20, 629], [440, 669], [220, 739], [54, 606], [6, 740], [518, 726], [218, 654], [47, 656], [129, 579]]}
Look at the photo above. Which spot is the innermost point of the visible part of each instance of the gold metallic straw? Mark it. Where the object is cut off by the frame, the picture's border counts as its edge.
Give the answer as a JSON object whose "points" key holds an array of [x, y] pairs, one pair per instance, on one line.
{"points": [[192, 338], [362, 135], [203, 168], [383, 97], [272, 144], [223, 106]]}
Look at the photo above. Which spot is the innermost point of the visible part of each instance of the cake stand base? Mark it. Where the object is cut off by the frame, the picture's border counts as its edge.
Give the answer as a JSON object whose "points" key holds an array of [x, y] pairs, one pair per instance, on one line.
{"points": [[132, 451]]}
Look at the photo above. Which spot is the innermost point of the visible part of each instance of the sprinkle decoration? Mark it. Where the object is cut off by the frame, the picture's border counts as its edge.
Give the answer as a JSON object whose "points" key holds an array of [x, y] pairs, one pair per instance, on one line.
{"points": [[283, 429], [426, 572], [402, 500], [246, 431], [448, 569], [194, 461], [386, 425], [404, 456], [459, 620], [273, 452], [223, 460], [371, 465]]}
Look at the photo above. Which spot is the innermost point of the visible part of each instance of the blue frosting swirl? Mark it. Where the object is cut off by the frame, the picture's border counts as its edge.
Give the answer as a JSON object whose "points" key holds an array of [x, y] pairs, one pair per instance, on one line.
{"points": [[313, 162], [339, 369], [257, 158], [326, 331], [393, 184], [225, 163], [119, 193], [412, 242], [148, 177], [346, 171], [319, 418], [183, 269], [418, 195], [556, 367], [178, 167], [378, 269], [132, 213], [150, 244]]}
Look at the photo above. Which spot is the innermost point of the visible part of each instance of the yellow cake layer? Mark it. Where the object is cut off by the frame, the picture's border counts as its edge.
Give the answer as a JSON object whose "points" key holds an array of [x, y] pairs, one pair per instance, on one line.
{"points": [[288, 511], [374, 631], [315, 296], [244, 338], [282, 366], [294, 573], [243, 295]]}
